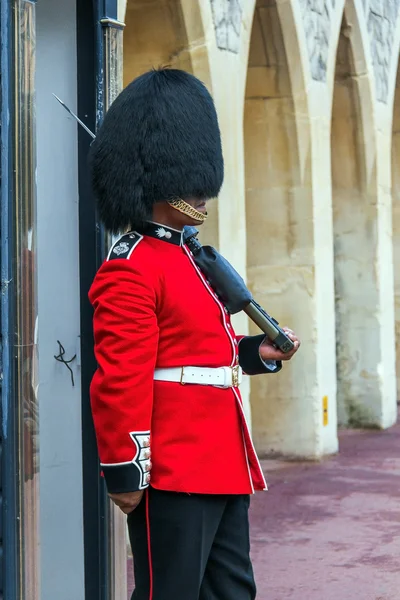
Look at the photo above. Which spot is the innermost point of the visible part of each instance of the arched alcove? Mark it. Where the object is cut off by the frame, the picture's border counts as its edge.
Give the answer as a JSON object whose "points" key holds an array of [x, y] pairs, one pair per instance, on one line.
{"points": [[168, 33], [396, 217], [279, 232], [155, 35], [355, 246]]}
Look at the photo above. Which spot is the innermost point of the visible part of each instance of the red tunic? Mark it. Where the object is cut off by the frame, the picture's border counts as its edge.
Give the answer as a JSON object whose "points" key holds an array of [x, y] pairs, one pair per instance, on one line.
{"points": [[154, 309]]}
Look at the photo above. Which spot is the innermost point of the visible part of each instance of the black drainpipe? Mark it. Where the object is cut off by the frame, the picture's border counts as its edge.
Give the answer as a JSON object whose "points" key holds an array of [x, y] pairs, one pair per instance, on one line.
{"points": [[91, 108]]}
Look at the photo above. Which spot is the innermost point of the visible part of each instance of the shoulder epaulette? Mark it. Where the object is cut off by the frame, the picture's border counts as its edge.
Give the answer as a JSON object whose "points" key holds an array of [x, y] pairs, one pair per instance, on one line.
{"points": [[124, 247]]}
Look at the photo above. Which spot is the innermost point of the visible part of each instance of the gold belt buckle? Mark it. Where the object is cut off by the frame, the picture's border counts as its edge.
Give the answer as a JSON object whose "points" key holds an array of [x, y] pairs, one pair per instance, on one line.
{"points": [[182, 375], [235, 376]]}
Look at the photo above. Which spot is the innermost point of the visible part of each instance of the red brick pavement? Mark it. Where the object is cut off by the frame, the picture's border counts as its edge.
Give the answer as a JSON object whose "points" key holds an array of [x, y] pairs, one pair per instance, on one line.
{"points": [[330, 530]]}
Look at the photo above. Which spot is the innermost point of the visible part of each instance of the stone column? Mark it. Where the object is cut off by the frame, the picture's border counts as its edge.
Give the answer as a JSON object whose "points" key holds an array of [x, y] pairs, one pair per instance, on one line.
{"points": [[227, 28], [363, 246], [112, 86], [385, 408], [396, 217], [355, 217], [289, 229]]}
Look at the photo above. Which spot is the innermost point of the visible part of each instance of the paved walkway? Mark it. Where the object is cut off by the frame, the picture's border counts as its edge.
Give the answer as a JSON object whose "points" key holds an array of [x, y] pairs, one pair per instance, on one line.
{"points": [[331, 531]]}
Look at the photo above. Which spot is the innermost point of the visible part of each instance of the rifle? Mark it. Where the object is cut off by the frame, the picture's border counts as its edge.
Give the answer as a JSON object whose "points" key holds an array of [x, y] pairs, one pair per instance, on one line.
{"points": [[232, 290]]}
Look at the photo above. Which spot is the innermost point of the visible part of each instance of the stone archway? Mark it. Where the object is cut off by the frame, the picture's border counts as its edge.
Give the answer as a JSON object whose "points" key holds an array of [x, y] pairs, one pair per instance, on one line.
{"points": [[168, 33], [396, 217], [279, 231], [155, 35], [355, 246]]}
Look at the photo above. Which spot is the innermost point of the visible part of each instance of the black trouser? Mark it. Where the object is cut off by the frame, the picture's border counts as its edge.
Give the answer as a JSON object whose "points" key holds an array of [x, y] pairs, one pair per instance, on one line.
{"points": [[199, 547]]}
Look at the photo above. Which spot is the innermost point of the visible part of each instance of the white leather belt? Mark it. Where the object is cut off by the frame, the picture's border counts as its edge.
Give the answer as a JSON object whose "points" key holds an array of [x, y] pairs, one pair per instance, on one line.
{"points": [[224, 377]]}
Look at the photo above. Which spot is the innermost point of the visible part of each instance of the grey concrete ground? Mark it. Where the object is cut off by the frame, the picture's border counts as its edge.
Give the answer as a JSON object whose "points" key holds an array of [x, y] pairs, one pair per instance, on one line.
{"points": [[331, 531]]}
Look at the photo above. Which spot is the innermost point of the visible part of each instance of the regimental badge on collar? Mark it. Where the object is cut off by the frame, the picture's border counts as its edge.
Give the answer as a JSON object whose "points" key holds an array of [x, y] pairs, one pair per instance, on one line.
{"points": [[161, 232]]}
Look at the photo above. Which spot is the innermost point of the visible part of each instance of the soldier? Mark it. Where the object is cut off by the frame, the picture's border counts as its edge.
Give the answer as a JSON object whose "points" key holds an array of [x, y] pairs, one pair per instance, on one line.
{"points": [[174, 445]]}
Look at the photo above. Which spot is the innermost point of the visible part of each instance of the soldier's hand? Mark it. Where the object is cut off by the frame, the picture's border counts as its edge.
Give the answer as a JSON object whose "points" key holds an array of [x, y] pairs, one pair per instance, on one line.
{"points": [[269, 352], [128, 501]]}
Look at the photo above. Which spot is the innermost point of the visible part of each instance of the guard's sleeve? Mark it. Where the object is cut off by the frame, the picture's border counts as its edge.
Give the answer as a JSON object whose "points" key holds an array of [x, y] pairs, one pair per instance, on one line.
{"points": [[250, 359], [126, 340]]}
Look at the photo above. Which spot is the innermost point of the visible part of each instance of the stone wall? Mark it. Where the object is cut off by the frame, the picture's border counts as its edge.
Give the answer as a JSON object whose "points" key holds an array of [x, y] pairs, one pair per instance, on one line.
{"points": [[303, 93], [227, 17], [317, 17], [382, 19]]}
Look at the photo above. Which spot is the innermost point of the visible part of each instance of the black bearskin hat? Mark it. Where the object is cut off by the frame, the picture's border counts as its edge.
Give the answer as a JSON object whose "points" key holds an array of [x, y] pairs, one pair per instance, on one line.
{"points": [[160, 140]]}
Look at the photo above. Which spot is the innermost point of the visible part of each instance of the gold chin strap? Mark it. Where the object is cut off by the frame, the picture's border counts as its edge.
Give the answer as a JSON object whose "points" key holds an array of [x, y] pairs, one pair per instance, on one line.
{"points": [[188, 210]]}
